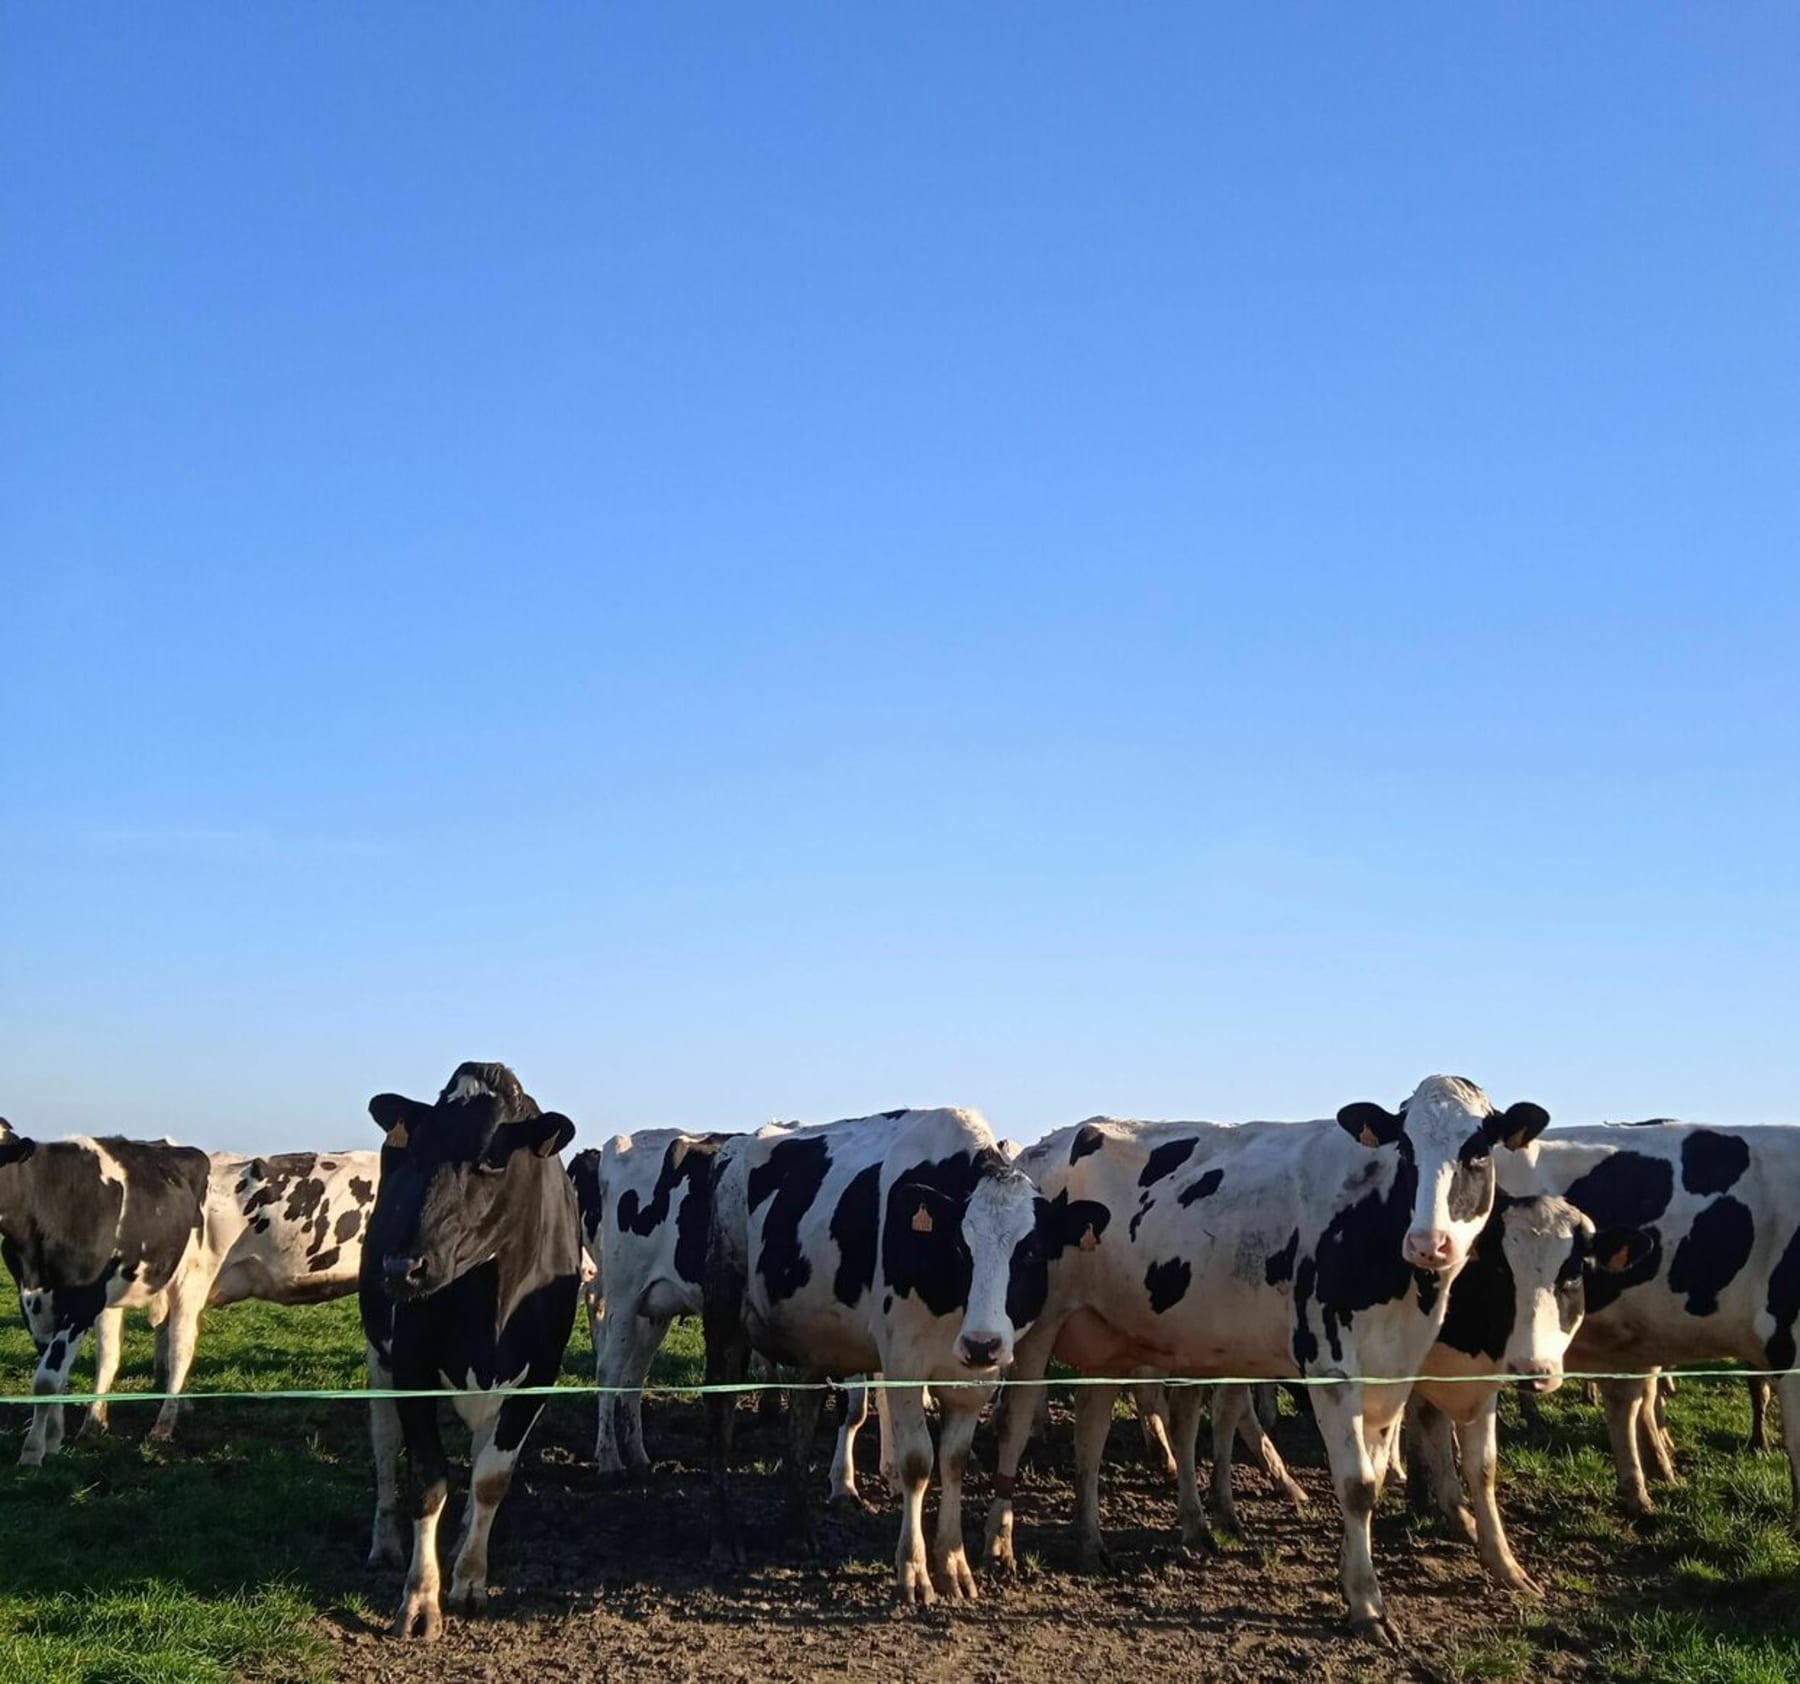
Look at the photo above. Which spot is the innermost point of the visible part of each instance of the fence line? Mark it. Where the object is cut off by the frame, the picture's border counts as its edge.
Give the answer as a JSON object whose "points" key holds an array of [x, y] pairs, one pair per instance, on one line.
{"points": [[589, 1388]]}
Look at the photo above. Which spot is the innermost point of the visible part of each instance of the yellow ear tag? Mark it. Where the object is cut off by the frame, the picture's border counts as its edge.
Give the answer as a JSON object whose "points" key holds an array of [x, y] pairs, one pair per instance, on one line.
{"points": [[1619, 1259], [396, 1137], [921, 1222], [1367, 1137], [1089, 1239]]}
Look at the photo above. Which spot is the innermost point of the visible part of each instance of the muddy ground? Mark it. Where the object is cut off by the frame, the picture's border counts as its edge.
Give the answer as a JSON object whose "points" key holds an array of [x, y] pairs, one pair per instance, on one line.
{"points": [[592, 1583]]}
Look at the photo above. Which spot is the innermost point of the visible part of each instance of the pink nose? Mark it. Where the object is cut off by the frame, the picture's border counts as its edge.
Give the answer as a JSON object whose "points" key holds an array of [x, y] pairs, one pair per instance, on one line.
{"points": [[1429, 1248], [1540, 1377]]}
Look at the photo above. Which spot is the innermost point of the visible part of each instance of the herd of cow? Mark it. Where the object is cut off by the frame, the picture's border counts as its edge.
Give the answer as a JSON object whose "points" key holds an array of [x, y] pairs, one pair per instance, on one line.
{"points": [[1447, 1243]]}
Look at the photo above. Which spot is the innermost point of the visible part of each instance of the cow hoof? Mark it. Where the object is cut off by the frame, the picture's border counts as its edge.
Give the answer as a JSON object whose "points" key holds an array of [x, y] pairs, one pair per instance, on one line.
{"points": [[161, 1433], [419, 1619], [958, 1580], [852, 1503], [467, 1599], [95, 1425], [914, 1586], [1092, 1556], [32, 1456], [1376, 1630], [1296, 1497]]}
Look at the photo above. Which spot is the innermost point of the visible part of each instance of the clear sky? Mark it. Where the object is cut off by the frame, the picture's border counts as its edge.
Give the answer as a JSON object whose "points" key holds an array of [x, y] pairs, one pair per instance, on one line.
{"points": [[770, 560]]}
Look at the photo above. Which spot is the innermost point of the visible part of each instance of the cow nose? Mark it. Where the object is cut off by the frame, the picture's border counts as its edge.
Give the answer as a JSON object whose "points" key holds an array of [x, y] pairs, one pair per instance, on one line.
{"points": [[1539, 1377], [979, 1350], [1429, 1248]]}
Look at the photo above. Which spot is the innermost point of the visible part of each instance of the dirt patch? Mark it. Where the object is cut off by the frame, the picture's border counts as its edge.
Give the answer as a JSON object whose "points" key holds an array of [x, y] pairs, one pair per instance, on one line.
{"points": [[594, 1583]]}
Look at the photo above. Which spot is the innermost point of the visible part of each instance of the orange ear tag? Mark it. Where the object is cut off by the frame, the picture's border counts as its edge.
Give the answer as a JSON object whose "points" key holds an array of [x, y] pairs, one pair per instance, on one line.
{"points": [[1089, 1239], [1367, 1137], [396, 1137], [1619, 1259], [921, 1222]]}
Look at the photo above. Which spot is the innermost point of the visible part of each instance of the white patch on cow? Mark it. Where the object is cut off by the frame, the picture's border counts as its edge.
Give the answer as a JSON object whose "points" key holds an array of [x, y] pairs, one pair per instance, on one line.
{"points": [[1441, 1115], [1538, 1236], [464, 1087]]}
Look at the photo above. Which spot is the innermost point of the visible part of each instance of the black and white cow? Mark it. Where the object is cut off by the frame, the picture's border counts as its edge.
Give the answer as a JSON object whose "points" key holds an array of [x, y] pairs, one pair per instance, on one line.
{"points": [[903, 1244], [646, 1206], [90, 1228], [1320, 1249], [1721, 1280], [469, 1281]]}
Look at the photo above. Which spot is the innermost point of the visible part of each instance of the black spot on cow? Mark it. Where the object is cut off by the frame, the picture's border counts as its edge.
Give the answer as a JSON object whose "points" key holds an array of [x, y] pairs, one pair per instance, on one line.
{"points": [[895, 1116], [1624, 1190], [347, 1225], [53, 1358], [1279, 1266], [1711, 1162], [1478, 1321], [1088, 1139], [1471, 1187], [1306, 1342], [590, 1192], [854, 1226], [1167, 1283], [325, 1260], [686, 1163], [1165, 1160], [887, 1302], [1712, 1254], [1784, 1304], [262, 1224], [922, 1247], [1358, 1256], [1426, 1285], [363, 1191], [1204, 1188]]}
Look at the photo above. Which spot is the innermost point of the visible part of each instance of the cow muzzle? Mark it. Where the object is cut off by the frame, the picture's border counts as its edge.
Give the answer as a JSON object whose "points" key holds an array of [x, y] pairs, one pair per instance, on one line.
{"points": [[405, 1276], [979, 1350], [1430, 1248], [1539, 1377]]}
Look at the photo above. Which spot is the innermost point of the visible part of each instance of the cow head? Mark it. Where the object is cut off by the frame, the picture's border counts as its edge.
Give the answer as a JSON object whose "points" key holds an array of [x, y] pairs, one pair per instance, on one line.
{"points": [[1446, 1133], [451, 1173], [984, 1247], [14, 1147], [1520, 1299]]}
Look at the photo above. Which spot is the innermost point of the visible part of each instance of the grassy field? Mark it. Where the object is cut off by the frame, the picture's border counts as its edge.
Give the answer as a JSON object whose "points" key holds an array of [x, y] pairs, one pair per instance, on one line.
{"points": [[230, 1554]]}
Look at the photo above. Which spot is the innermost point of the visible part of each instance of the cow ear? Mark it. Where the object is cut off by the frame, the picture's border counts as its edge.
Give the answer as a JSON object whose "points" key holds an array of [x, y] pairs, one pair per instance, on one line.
{"points": [[14, 1148], [924, 1209], [1064, 1223], [546, 1134], [1372, 1124], [1518, 1125], [1614, 1250], [395, 1116]]}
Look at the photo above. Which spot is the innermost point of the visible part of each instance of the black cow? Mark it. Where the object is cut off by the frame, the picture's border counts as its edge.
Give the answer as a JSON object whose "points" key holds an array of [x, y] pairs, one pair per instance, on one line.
{"points": [[469, 1279], [89, 1227]]}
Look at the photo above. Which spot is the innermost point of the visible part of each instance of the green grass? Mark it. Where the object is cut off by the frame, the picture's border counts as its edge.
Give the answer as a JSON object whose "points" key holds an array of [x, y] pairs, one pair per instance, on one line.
{"points": [[224, 1556]]}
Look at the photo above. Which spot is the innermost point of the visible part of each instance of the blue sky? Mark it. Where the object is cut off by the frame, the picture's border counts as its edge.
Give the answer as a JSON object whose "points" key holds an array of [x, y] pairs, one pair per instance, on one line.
{"points": [[791, 560]]}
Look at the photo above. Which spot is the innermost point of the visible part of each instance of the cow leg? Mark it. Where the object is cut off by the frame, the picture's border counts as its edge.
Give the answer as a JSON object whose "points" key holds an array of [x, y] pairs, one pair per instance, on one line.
{"points": [[1253, 1432], [1759, 1413], [1339, 1410], [1432, 1474], [956, 1433], [56, 1358], [912, 1458], [186, 1300], [855, 1403], [1623, 1399], [1267, 1400], [1185, 1404], [623, 1361], [1151, 1401], [1479, 1441], [1653, 1433], [385, 1548], [419, 1614], [806, 1402], [727, 1355], [1018, 1410], [490, 1473], [108, 1334], [890, 1467], [1787, 1394], [1229, 1405], [1093, 1421]]}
